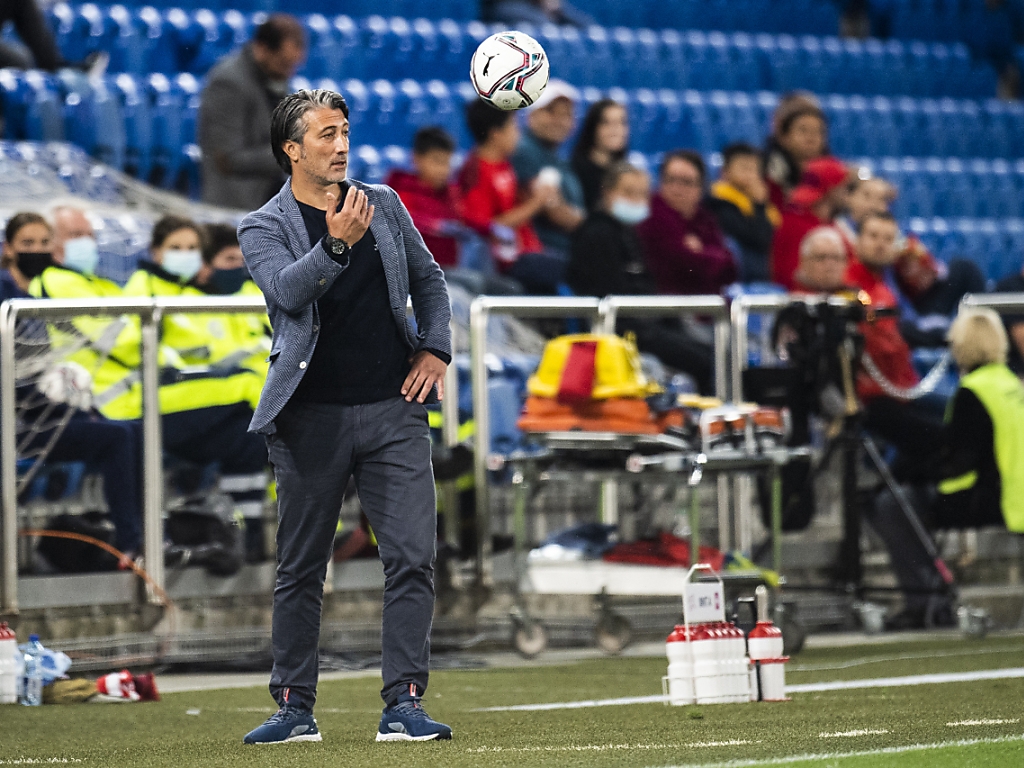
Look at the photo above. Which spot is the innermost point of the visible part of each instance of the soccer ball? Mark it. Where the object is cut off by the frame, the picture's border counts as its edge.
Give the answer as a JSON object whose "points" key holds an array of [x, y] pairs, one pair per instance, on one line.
{"points": [[509, 70]]}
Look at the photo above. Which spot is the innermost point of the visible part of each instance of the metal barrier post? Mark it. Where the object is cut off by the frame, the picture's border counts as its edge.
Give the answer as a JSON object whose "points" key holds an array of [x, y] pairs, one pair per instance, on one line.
{"points": [[8, 470], [152, 453], [450, 436], [479, 314]]}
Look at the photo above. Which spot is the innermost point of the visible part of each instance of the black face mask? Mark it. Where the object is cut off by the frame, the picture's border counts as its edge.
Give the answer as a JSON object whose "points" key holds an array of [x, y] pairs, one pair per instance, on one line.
{"points": [[228, 281], [32, 264]]}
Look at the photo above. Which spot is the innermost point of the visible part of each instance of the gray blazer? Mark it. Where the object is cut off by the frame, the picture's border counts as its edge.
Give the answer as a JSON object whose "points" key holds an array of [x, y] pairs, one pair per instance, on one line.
{"points": [[293, 273], [238, 167]]}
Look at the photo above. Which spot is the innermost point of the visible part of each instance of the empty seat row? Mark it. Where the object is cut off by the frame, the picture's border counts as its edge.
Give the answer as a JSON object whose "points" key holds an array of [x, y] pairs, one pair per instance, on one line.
{"points": [[171, 41], [431, 9], [995, 245], [987, 27]]}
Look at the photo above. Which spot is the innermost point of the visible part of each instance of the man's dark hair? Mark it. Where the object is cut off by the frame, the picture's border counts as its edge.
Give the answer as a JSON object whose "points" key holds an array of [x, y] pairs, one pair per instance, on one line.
{"points": [[288, 122], [688, 155], [880, 215], [482, 118], [276, 29], [19, 220], [431, 138], [217, 237], [610, 178], [738, 149], [169, 224]]}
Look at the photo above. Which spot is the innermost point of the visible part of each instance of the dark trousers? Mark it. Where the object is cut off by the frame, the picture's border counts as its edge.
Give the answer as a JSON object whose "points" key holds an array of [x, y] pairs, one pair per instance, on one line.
{"points": [[30, 24], [670, 342], [385, 447], [114, 449], [539, 273]]}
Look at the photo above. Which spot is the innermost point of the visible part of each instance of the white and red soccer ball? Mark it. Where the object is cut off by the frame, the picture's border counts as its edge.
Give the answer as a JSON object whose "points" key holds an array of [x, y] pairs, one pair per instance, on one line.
{"points": [[509, 70]]}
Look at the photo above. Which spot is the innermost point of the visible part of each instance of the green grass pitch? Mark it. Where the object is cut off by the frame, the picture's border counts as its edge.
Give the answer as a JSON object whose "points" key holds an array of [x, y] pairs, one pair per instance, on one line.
{"points": [[935, 725]]}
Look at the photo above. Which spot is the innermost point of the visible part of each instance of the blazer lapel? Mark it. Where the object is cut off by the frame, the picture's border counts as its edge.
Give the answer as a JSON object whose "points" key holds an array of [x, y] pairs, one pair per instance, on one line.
{"points": [[386, 246], [290, 208]]}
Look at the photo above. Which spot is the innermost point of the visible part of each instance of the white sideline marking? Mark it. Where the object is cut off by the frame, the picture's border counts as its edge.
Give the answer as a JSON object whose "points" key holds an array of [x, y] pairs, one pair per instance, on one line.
{"points": [[899, 657], [835, 685], [610, 747], [860, 753], [40, 761], [986, 721], [847, 734]]}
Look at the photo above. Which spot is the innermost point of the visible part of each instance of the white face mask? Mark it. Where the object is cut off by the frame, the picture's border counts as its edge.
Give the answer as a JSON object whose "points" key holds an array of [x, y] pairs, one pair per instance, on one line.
{"points": [[82, 254], [184, 264], [629, 212]]}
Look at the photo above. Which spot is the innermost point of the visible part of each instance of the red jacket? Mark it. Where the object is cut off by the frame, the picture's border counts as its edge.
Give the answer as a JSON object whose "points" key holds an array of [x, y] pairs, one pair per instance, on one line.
{"points": [[431, 210], [676, 268], [796, 223], [883, 342]]}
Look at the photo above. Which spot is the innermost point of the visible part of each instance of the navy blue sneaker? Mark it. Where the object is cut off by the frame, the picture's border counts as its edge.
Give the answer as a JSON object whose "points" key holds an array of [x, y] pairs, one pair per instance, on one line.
{"points": [[407, 721], [286, 725]]}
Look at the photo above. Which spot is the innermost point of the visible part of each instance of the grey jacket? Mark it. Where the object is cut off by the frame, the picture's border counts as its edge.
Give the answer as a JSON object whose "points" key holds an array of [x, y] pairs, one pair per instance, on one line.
{"points": [[239, 170], [293, 273]]}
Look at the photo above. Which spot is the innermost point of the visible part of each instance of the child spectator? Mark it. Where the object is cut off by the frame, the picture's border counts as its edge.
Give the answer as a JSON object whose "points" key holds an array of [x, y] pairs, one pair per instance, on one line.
{"points": [[739, 200], [683, 244], [430, 195], [494, 205], [607, 258], [603, 141], [817, 201]]}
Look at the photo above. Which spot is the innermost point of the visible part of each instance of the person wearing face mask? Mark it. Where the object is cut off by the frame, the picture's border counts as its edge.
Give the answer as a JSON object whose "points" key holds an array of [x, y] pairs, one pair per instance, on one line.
{"points": [[233, 128], [205, 412], [607, 257], [26, 253]]}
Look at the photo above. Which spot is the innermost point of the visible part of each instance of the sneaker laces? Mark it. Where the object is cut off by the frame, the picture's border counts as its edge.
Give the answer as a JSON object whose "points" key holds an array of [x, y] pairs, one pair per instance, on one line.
{"points": [[286, 713], [410, 708]]}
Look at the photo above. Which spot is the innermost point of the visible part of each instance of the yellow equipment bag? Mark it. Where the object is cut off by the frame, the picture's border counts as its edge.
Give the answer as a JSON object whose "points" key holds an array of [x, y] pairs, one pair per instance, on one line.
{"points": [[585, 366]]}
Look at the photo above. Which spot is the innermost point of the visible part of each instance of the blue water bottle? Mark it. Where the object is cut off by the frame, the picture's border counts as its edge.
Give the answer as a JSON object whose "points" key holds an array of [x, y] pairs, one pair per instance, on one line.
{"points": [[32, 689]]}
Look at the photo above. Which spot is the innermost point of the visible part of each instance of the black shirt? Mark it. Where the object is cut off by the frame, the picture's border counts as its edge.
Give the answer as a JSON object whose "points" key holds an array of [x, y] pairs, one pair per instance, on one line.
{"points": [[360, 356], [605, 257]]}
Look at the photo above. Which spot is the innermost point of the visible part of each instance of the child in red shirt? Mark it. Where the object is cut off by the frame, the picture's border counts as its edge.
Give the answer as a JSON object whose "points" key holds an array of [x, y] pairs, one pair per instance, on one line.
{"points": [[494, 205], [430, 196]]}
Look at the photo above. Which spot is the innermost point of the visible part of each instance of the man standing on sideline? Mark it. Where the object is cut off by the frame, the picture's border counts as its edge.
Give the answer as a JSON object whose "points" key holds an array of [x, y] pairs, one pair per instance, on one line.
{"points": [[337, 261], [239, 170]]}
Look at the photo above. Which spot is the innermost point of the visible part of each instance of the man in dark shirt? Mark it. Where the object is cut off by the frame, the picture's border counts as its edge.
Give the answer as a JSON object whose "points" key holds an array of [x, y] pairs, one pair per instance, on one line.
{"points": [[337, 262]]}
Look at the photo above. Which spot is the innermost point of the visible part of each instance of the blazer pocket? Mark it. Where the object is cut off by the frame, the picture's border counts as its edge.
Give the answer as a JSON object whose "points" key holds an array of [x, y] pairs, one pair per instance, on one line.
{"points": [[274, 354]]}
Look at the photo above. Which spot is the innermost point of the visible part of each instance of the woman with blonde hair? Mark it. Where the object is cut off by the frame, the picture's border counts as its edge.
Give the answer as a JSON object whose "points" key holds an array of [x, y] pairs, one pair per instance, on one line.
{"points": [[982, 462]]}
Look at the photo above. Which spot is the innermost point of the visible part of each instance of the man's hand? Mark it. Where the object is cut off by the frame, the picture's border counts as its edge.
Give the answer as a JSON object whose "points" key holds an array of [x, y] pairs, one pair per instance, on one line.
{"points": [[693, 243], [352, 221], [427, 371]]}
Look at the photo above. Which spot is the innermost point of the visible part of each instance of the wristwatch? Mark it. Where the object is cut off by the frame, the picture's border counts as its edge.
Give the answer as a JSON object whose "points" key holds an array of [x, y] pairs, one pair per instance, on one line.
{"points": [[335, 245]]}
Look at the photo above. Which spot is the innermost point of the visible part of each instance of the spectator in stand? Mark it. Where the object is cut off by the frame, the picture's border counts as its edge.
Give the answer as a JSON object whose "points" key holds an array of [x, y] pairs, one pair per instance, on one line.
{"points": [[799, 135], [536, 12], [817, 201], [912, 425], [603, 141], [823, 262], [241, 91], [607, 258], [430, 195], [494, 205], [739, 200], [682, 242], [929, 291], [39, 48], [549, 123], [26, 253]]}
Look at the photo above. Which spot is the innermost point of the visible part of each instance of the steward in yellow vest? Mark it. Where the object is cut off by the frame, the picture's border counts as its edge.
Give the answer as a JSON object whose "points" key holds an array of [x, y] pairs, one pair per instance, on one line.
{"points": [[983, 458]]}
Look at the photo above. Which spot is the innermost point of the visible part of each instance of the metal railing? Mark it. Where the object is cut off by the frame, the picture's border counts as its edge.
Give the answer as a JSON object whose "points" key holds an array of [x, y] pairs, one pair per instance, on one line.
{"points": [[150, 313], [603, 315], [1003, 303]]}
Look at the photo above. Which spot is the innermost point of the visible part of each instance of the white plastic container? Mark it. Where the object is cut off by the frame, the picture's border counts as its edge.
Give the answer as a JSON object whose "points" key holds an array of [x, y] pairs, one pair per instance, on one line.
{"points": [[678, 683], [765, 641], [772, 678], [10, 665]]}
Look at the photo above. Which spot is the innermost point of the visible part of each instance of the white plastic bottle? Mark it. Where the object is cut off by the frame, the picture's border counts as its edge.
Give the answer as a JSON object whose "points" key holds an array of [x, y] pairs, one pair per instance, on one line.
{"points": [[32, 693], [10, 665]]}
